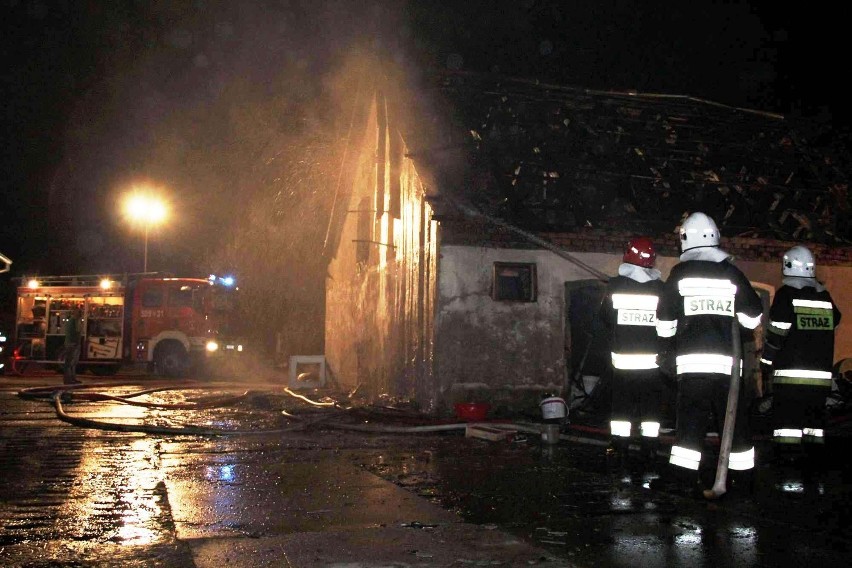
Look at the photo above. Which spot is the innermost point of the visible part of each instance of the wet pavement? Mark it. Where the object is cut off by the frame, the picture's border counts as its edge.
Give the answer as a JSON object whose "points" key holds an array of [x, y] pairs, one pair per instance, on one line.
{"points": [[321, 494]]}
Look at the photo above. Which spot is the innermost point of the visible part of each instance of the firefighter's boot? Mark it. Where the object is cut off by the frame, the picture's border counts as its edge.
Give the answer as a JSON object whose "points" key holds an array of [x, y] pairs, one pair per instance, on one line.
{"points": [[814, 461], [618, 450], [707, 472], [741, 481], [676, 479], [650, 446], [624, 453], [786, 454], [816, 456]]}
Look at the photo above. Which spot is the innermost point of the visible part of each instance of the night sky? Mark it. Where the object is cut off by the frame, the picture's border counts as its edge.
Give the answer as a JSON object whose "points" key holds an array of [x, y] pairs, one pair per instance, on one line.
{"points": [[194, 96]]}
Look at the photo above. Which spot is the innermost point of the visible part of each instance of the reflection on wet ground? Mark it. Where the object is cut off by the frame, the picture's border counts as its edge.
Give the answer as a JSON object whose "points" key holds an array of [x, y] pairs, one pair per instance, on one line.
{"points": [[573, 501], [72, 495], [570, 499]]}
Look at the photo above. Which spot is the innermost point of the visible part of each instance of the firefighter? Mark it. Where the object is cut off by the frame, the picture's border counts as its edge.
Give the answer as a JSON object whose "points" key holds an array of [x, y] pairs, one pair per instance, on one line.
{"points": [[695, 317], [798, 354], [629, 311], [71, 347]]}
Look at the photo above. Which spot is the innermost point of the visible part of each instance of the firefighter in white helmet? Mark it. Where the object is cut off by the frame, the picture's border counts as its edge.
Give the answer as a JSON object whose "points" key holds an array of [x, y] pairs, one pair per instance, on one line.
{"points": [[702, 295], [798, 353], [629, 311]]}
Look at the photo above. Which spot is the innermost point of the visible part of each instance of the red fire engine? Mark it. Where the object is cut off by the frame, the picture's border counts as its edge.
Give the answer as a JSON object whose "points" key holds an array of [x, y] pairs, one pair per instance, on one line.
{"points": [[170, 325]]}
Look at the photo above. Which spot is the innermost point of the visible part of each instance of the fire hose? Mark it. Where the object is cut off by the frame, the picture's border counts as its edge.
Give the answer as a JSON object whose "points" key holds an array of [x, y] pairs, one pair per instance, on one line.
{"points": [[720, 486], [56, 394], [59, 394]]}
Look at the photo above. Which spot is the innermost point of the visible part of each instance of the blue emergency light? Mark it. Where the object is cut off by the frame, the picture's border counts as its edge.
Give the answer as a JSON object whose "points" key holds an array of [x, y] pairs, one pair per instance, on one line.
{"points": [[223, 280]]}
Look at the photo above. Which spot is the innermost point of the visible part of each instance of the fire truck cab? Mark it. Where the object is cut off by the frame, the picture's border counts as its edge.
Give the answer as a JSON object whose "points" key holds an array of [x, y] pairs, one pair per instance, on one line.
{"points": [[170, 325]]}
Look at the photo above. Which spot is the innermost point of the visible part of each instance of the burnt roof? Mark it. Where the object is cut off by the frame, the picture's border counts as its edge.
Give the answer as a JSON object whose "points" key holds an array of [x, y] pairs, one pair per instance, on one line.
{"points": [[556, 158]]}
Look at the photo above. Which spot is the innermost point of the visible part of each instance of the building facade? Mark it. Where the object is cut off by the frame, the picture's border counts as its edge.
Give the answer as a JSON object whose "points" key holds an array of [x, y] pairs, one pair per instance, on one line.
{"points": [[429, 304]]}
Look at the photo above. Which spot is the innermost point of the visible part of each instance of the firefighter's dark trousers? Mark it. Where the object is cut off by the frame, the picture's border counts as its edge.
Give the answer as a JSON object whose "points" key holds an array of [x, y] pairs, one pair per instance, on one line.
{"points": [[702, 401], [636, 401], [71, 356], [798, 412]]}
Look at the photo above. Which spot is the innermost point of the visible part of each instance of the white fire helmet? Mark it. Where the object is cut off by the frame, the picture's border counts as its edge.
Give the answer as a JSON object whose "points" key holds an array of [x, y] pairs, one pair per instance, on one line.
{"points": [[799, 261], [698, 230]]}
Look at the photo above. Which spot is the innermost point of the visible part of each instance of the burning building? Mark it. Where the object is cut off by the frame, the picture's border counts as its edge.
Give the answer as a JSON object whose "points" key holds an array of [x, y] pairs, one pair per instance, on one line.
{"points": [[476, 220]]}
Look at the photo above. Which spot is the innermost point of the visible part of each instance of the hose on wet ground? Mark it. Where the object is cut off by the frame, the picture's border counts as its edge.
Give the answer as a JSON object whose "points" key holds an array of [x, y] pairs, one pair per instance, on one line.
{"points": [[306, 399], [522, 427], [330, 417], [114, 426], [326, 419], [210, 402], [73, 393], [56, 394]]}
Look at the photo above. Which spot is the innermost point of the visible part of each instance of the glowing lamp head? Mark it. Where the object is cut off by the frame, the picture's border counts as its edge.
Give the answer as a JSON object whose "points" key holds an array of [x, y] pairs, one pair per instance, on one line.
{"points": [[106, 284], [145, 209], [212, 346], [32, 284]]}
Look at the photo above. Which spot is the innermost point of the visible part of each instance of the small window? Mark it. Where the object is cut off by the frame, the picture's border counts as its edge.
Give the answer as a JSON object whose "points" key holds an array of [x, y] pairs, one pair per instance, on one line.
{"points": [[152, 298], [514, 282]]}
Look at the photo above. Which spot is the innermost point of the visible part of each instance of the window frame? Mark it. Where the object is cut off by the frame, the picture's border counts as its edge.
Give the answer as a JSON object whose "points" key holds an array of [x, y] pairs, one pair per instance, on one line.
{"points": [[528, 297], [148, 295], [179, 295]]}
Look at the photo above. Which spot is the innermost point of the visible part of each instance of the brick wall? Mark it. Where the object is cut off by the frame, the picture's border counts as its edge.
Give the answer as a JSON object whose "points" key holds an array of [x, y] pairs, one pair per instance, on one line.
{"points": [[595, 240], [668, 245]]}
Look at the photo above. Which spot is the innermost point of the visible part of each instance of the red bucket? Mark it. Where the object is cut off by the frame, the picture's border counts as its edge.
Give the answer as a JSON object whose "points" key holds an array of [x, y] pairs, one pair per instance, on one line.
{"points": [[472, 411]]}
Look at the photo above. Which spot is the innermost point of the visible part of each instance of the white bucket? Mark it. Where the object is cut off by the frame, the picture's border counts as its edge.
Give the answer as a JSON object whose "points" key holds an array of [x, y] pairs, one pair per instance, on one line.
{"points": [[553, 408]]}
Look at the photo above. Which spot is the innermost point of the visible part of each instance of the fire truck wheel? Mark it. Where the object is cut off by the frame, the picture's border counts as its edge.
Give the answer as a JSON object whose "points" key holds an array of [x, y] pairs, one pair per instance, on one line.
{"points": [[171, 359]]}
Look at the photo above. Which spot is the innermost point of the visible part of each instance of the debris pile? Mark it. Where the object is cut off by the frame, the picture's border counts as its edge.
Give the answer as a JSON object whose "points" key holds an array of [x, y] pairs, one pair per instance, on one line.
{"points": [[552, 158]]}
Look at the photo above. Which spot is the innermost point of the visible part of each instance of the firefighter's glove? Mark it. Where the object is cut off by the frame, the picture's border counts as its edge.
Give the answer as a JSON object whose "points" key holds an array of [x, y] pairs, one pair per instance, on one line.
{"points": [[761, 405]]}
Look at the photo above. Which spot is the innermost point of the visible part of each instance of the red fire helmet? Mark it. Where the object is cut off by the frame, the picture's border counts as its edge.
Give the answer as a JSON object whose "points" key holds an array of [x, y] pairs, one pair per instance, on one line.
{"points": [[640, 251]]}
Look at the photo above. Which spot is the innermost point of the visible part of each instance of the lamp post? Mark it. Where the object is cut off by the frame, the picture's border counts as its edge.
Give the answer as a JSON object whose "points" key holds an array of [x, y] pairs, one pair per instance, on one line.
{"points": [[147, 210]]}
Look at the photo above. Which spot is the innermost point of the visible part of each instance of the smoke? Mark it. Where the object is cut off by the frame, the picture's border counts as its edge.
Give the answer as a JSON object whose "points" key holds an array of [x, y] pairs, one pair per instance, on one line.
{"points": [[240, 112]]}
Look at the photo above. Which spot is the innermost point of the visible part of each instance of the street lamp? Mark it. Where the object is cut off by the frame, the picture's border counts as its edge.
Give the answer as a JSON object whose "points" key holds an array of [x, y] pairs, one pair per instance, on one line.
{"points": [[147, 210]]}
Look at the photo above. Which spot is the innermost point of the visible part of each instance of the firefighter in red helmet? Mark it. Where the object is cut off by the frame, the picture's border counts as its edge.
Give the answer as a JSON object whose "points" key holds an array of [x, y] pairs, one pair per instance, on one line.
{"points": [[628, 311]]}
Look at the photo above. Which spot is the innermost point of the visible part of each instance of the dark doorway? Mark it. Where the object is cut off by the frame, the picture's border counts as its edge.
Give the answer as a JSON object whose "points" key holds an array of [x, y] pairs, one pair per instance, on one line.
{"points": [[587, 347]]}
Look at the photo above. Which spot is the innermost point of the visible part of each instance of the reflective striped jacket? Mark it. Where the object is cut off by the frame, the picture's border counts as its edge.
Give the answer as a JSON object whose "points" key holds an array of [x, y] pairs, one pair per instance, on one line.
{"points": [[629, 311], [800, 340], [698, 301]]}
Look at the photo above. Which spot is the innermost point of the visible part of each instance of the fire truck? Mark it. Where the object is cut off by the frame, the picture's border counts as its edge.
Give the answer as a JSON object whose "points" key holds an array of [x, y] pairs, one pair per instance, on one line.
{"points": [[168, 325]]}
